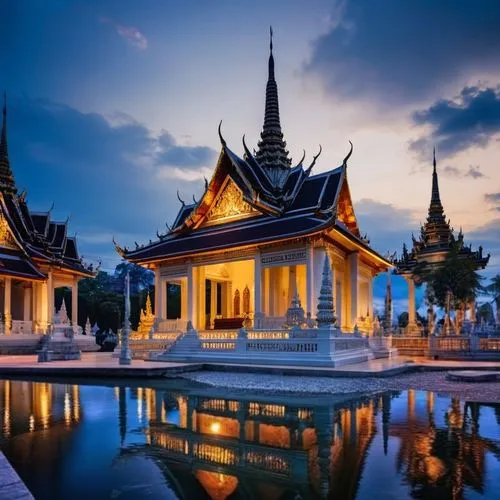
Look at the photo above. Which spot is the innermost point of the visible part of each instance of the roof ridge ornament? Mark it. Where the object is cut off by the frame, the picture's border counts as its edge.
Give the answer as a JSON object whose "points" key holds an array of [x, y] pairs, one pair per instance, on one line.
{"points": [[180, 199], [344, 163], [222, 140], [206, 182], [315, 157]]}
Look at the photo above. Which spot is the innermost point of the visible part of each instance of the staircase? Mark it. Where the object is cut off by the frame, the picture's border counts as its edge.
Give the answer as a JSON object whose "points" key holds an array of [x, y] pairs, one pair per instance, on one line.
{"points": [[183, 348]]}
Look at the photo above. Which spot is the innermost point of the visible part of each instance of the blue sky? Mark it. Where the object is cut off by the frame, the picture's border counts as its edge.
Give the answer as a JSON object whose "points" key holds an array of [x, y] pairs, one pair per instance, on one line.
{"points": [[114, 105]]}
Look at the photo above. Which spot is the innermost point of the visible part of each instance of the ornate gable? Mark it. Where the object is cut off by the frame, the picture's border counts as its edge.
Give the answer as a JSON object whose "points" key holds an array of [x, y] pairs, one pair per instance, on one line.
{"points": [[229, 205], [345, 210], [6, 238]]}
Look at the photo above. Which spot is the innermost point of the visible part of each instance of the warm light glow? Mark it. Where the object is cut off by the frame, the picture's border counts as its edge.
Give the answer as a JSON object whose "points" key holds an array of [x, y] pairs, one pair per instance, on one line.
{"points": [[67, 409], [215, 427], [32, 422]]}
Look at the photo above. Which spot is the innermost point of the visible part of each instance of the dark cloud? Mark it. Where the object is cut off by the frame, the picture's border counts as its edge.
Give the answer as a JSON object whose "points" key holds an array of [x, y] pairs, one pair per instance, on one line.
{"points": [[472, 119], [107, 176], [473, 171], [493, 198], [403, 51]]}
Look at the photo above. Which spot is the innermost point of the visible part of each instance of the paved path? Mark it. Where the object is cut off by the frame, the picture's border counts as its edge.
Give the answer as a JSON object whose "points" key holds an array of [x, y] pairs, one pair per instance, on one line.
{"points": [[103, 365], [11, 486]]}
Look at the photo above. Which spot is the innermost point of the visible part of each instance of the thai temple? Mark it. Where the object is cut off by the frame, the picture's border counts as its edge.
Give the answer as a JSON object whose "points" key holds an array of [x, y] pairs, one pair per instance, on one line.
{"points": [[258, 237], [436, 240], [37, 255]]}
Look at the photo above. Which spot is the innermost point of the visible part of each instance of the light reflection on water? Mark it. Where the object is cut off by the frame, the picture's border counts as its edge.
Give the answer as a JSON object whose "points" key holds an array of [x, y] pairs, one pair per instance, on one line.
{"points": [[167, 441]]}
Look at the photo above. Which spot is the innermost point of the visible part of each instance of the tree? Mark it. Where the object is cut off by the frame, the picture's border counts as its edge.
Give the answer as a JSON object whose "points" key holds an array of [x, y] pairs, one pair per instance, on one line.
{"points": [[494, 289], [456, 276]]}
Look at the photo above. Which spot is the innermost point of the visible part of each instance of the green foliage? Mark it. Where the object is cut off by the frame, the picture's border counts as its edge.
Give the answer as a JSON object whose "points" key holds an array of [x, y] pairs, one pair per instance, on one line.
{"points": [[485, 312], [403, 320], [456, 275], [494, 289]]}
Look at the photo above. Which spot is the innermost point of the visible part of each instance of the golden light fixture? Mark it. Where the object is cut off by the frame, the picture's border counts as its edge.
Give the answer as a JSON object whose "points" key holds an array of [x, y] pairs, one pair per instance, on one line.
{"points": [[215, 427]]}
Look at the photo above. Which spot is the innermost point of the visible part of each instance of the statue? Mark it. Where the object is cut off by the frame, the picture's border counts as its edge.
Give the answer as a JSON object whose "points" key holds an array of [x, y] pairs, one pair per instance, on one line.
{"points": [[88, 328], [295, 313]]}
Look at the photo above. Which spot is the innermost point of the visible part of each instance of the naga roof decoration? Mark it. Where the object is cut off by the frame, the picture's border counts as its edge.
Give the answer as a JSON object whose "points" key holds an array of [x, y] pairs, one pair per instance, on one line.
{"points": [[437, 237], [259, 197], [29, 238]]}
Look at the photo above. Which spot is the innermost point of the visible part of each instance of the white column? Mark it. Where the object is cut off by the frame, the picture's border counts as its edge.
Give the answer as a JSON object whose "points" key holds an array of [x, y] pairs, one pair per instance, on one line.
{"points": [[213, 301], [184, 299], [27, 303], [163, 299], [411, 302], [49, 298], [370, 296], [74, 305], [257, 277], [353, 260], [265, 292], [158, 290], [199, 274], [191, 295], [309, 281], [7, 310]]}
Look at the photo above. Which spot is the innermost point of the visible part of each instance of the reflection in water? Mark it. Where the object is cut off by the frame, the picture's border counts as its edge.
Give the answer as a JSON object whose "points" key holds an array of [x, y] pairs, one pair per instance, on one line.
{"points": [[403, 445]]}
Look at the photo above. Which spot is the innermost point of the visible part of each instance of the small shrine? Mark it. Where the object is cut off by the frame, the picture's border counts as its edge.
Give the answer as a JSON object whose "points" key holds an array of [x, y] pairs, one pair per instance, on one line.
{"points": [[437, 238], [146, 322]]}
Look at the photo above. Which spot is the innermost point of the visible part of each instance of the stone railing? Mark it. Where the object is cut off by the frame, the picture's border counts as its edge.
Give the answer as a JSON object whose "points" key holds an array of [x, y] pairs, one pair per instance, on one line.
{"points": [[21, 327], [313, 346], [270, 323], [171, 325], [465, 346], [144, 348]]}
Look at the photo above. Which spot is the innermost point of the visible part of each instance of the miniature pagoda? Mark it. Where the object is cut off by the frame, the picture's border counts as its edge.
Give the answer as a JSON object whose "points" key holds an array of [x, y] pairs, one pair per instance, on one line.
{"points": [[436, 240], [36, 256], [260, 233]]}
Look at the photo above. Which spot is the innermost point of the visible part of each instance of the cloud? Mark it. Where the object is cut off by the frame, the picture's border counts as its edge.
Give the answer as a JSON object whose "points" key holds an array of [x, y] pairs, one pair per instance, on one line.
{"points": [[403, 51], [493, 198], [488, 236], [473, 171], [169, 153], [106, 173], [131, 34], [387, 226], [471, 119]]}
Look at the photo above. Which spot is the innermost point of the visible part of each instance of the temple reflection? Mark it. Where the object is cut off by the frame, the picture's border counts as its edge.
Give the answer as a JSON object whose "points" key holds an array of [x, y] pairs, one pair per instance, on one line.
{"points": [[288, 447], [40, 405]]}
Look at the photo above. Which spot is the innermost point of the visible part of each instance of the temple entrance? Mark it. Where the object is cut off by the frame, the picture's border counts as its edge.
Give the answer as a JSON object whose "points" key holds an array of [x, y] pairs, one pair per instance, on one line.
{"points": [[227, 295]]}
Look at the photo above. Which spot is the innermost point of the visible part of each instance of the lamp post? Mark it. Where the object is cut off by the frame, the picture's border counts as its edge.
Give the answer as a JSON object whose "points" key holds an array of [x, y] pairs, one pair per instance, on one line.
{"points": [[125, 355]]}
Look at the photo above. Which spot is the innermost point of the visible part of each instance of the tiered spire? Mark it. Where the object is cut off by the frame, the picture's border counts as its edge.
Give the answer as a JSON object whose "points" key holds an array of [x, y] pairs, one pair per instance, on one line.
{"points": [[7, 183], [436, 230], [272, 153]]}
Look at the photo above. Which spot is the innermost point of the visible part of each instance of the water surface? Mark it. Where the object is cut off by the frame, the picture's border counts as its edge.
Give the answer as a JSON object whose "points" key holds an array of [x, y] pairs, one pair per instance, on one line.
{"points": [[170, 439]]}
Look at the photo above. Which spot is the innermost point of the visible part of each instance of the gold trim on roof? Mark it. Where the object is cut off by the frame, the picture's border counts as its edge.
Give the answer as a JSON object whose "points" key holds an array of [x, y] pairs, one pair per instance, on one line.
{"points": [[229, 205], [6, 238]]}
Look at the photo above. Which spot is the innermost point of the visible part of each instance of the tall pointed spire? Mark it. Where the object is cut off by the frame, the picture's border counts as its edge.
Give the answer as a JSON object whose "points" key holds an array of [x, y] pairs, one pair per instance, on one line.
{"points": [[7, 183], [272, 153], [436, 229]]}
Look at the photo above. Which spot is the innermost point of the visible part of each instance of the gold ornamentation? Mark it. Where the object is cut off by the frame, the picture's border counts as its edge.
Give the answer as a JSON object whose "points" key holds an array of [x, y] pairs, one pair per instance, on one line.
{"points": [[229, 204], [6, 238], [236, 303]]}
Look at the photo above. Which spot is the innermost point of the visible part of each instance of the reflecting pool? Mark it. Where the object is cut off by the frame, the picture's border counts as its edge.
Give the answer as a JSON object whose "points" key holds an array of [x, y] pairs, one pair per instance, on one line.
{"points": [[172, 439]]}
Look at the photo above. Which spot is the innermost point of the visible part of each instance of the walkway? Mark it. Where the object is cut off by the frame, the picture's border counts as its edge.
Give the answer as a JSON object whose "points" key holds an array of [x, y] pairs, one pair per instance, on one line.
{"points": [[103, 365]]}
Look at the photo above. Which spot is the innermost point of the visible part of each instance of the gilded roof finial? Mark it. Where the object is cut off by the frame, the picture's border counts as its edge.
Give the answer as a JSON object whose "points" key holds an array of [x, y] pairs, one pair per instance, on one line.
{"points": [[271, 39], [315, 157]]}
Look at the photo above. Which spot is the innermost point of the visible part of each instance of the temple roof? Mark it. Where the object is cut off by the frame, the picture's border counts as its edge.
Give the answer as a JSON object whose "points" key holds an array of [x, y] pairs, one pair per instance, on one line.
{"points": [[257, 198], [437, 237], [28, 238]]}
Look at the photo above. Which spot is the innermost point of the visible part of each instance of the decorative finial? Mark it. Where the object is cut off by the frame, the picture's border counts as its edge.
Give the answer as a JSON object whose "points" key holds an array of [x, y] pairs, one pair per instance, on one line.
{"points": [[168, 227], [303, 157], [51, 208], [179, 198], [206, 182], [247, 151], [344, 163], [271, 38], [314, 160], [222, 141], [434, 158], [194, 199]]}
